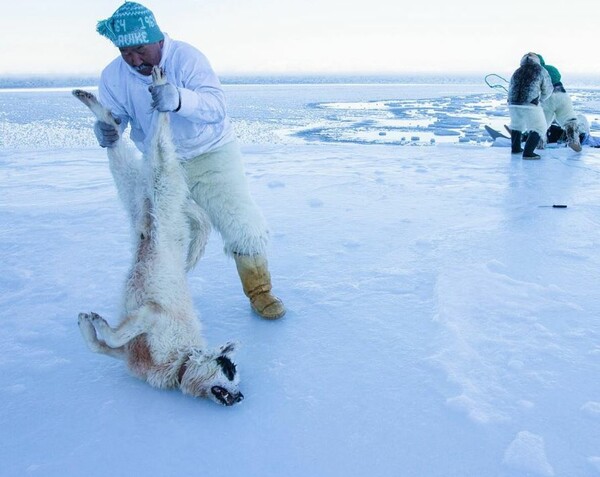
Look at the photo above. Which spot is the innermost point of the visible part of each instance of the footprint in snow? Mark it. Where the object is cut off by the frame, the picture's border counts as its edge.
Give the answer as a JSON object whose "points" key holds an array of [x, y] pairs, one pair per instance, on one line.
{"points": [[315, 203], [352, 244], [275, 184], [592, 409], [595, 462]]}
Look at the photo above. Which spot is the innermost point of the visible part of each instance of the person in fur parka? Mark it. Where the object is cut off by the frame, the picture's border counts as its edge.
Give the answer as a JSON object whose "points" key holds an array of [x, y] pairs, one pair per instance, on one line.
{"points": [[559, 107], [529, 86]]}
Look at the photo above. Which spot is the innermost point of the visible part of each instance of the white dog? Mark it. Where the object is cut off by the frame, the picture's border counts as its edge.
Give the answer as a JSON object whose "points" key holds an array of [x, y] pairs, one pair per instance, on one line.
{"points": [[159, 335]]}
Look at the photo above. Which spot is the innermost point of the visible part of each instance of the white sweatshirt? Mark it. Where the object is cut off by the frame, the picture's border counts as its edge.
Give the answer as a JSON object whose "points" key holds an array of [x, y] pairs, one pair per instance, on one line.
{"points": [[200, 125]]}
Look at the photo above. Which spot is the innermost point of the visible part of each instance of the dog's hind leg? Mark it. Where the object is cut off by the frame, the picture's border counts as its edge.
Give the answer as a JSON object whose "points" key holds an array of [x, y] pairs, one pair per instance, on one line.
{"points": [[167, 187], [134, 324], [94, 344], [101, 113], [125, 168], [124, 161]]}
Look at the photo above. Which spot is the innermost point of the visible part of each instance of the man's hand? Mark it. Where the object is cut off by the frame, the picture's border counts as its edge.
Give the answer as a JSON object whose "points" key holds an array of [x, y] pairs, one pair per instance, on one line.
{"points": [[106, 134], [165, 97]]}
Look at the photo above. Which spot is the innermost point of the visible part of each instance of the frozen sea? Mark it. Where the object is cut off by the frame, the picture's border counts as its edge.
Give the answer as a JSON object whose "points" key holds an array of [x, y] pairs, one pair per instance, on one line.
{"points": [[443, 318]]}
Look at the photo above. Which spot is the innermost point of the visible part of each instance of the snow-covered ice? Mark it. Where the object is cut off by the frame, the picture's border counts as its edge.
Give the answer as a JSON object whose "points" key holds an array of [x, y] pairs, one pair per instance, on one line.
{"points": [[527, 454], [442, 319]]}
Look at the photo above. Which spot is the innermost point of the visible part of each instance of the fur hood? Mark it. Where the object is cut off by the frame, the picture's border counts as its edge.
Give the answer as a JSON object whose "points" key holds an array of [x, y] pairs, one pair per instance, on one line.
{"points": [[530, 83], [530, 58]]}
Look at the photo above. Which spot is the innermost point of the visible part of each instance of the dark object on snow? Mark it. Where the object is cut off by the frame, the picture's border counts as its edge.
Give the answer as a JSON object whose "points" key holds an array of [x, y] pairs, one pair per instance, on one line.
{"points": [[493, 133], [555, 134]]}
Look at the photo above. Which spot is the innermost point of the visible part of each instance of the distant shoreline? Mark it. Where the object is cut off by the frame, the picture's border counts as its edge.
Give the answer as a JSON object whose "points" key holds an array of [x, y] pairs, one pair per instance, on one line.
{"points": [[36, 82], [72, 81]]}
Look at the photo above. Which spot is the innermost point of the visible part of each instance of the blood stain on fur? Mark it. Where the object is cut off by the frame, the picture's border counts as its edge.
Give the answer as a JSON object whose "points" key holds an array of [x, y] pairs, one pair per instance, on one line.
{"points": [[140, 358]]}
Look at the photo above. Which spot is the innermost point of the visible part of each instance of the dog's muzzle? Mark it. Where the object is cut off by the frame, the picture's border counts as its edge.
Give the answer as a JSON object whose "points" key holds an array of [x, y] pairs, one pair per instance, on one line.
{"points": [[225, 397]]}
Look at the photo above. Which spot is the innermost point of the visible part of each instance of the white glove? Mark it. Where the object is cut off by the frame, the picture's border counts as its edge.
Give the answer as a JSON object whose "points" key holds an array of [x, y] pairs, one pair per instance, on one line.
{"points": [[165, 97], [106, 133]]}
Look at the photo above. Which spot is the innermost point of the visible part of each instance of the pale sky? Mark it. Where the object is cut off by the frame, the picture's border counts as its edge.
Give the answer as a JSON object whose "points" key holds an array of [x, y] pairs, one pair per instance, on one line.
{"points": [[316, 36]]}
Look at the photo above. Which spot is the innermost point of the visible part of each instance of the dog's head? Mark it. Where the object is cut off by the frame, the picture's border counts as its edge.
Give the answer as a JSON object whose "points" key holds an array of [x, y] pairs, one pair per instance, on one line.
{"points": [[213, 375]]}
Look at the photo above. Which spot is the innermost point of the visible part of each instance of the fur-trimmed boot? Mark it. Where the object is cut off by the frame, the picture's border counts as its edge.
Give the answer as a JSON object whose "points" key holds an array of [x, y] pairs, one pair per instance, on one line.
{"points": [[256, 282], [572, 135], [533, 139], [515, 142]]}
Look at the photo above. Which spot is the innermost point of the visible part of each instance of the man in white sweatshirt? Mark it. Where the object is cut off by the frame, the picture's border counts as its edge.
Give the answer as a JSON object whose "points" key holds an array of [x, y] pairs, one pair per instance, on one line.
{"points": [[202, 134]]}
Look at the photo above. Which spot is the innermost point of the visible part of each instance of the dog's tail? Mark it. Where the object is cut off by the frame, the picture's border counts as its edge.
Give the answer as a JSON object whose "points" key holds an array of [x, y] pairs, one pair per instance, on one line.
{"points": [[199, 224]]}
